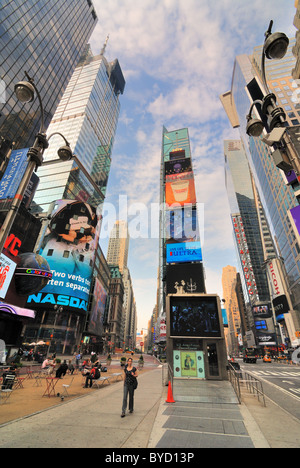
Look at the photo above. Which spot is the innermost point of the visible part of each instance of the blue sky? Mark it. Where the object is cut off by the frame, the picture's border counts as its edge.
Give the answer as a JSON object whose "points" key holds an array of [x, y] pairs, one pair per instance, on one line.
{"points": [[177, 57]]}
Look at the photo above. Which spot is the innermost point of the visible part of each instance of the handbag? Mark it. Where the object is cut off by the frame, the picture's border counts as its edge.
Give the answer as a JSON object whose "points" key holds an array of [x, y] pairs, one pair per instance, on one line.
{"points": [[135, 384]]}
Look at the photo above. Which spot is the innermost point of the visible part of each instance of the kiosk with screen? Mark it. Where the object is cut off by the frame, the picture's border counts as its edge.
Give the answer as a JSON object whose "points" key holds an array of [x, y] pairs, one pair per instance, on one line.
{"points": [[195, 336]]}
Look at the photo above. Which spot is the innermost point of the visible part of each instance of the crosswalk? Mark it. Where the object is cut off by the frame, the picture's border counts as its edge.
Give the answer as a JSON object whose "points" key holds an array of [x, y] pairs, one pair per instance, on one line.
{"points": [[269, 373]]}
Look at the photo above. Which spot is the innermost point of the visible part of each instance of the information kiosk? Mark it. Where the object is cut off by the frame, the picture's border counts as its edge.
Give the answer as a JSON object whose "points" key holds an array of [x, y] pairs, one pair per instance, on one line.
{"points": [[195, 336]]}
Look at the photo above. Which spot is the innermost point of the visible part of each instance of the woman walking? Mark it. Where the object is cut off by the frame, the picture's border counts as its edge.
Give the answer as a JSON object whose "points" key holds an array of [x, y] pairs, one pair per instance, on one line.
{"points": [[130, 384]]}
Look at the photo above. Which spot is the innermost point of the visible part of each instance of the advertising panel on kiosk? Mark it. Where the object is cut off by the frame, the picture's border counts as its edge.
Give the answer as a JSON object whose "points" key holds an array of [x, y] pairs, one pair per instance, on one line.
{"points": [[69, 247], [195, 316]]}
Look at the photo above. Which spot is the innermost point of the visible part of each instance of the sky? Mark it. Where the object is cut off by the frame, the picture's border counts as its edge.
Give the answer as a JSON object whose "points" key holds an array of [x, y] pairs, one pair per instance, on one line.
{"points": [[177, 58]]}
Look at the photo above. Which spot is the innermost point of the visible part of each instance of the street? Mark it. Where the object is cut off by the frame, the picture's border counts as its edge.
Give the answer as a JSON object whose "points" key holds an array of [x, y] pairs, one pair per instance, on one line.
{"points": [[281, 383]]}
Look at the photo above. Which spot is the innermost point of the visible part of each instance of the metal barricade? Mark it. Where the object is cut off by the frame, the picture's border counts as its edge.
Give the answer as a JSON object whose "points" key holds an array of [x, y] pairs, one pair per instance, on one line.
{"points": [[254, 386], [234, 378]]}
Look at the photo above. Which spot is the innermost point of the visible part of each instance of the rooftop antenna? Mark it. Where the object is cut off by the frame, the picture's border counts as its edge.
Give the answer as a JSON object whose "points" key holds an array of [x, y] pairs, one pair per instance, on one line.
{"points": [[104, 45]]}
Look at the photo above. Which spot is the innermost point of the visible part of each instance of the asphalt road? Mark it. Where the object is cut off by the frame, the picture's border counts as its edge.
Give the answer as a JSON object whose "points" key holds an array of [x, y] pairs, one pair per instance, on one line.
{"points": [[281, 383]]}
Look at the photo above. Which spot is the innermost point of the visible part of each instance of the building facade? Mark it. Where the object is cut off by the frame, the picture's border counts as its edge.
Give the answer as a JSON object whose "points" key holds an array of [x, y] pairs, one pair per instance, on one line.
{"points": [[69, 199], [277, 195], [46, 39], [118, 245]]}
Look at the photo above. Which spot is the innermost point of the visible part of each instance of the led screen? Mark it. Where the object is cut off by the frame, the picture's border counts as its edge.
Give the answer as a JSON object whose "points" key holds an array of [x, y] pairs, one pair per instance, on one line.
{"points": [[194, 317], [180, 189], [69, 247], [184, 252]]}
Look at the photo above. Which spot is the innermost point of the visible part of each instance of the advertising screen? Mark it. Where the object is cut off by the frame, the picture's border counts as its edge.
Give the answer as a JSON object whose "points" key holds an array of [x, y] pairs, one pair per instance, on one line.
{"points": [[185, 279], [98, 308], [69, 247], [184, 252], [294, 215], [178, 166], [18, 311], [194, 317], [180, 189], [262, 311], [182, 224]]}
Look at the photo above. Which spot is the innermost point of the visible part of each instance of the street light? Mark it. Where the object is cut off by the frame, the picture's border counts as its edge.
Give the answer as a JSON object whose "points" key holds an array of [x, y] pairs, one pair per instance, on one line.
{"points": [[25, 92], [275, 47]]}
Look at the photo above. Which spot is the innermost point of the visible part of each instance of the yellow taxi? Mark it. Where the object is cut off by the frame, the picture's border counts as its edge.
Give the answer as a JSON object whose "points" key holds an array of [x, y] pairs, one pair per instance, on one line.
{"points": [[267, 358]]}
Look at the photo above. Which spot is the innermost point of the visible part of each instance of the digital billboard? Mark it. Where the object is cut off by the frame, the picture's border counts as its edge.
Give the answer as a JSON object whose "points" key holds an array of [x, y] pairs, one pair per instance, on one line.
{"points": [[18, 311], [69, 247], [185, 279], [184, 252], [294, 215], [178, 166], [182, 224], [98, 308], [180, 189], [194, 316], [262, 311]]}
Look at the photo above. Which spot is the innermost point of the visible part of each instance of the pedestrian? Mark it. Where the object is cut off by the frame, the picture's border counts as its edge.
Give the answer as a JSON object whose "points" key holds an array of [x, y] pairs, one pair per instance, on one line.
{"points": [[93, 375], [62, 370], [130, 384]]}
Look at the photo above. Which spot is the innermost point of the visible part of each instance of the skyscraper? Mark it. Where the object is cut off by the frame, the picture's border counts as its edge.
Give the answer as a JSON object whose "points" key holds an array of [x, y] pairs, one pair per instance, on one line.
{"points": [[252, 237], [87, 116], [232, 308], [118, 245], [73, 194], [278, 196], [45, 39]]}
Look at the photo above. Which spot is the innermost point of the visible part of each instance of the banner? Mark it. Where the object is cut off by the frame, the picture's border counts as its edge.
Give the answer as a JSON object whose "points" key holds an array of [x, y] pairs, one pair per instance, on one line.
{"points": [[14, 172], [69, 247]]}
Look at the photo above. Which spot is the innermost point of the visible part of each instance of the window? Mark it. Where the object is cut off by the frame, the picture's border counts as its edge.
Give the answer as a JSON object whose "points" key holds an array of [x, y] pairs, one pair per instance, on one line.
{"points": [[66, 254], [50, 253]]}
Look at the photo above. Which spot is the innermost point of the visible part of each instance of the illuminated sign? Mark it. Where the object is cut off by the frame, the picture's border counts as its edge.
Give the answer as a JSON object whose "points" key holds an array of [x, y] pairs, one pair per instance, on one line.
{"points": [[69, 247], [184, 252], [180, 189], [59, 299], [7, 269], [14, 310], [12, 243], [242, 244], [33, 272]]}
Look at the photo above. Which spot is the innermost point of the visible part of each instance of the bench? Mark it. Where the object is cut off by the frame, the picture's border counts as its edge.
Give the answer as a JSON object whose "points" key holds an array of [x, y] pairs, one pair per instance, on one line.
{"points": [[117, 374], [100, 382]]}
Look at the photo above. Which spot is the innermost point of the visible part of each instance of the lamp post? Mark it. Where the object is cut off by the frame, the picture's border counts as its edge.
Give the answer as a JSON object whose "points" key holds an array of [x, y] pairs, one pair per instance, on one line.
{"points": [[285, 157], [25, 92]]}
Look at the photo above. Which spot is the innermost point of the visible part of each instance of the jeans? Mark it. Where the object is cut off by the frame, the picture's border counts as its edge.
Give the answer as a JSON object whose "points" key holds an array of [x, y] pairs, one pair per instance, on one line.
{"points": [[128, 389]]}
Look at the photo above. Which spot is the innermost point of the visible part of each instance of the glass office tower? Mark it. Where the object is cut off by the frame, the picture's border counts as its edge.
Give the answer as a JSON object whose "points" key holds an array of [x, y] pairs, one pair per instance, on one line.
{"points": [[252, 238], [45, 39], [71, 197], [276, 194], [87, 116]]}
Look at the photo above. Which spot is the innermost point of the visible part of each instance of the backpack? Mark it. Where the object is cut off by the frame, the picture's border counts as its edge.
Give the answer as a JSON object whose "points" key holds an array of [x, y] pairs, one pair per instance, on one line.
{"points": [[97, 374]]}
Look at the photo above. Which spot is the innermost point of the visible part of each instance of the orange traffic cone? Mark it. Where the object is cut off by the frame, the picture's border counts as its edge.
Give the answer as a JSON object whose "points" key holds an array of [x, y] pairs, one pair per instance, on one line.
{"points": [[170, 398]]}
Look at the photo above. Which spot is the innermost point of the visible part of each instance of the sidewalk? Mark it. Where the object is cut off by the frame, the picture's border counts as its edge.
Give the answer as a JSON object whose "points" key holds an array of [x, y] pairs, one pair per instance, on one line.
{"points": [[205, 414]]}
